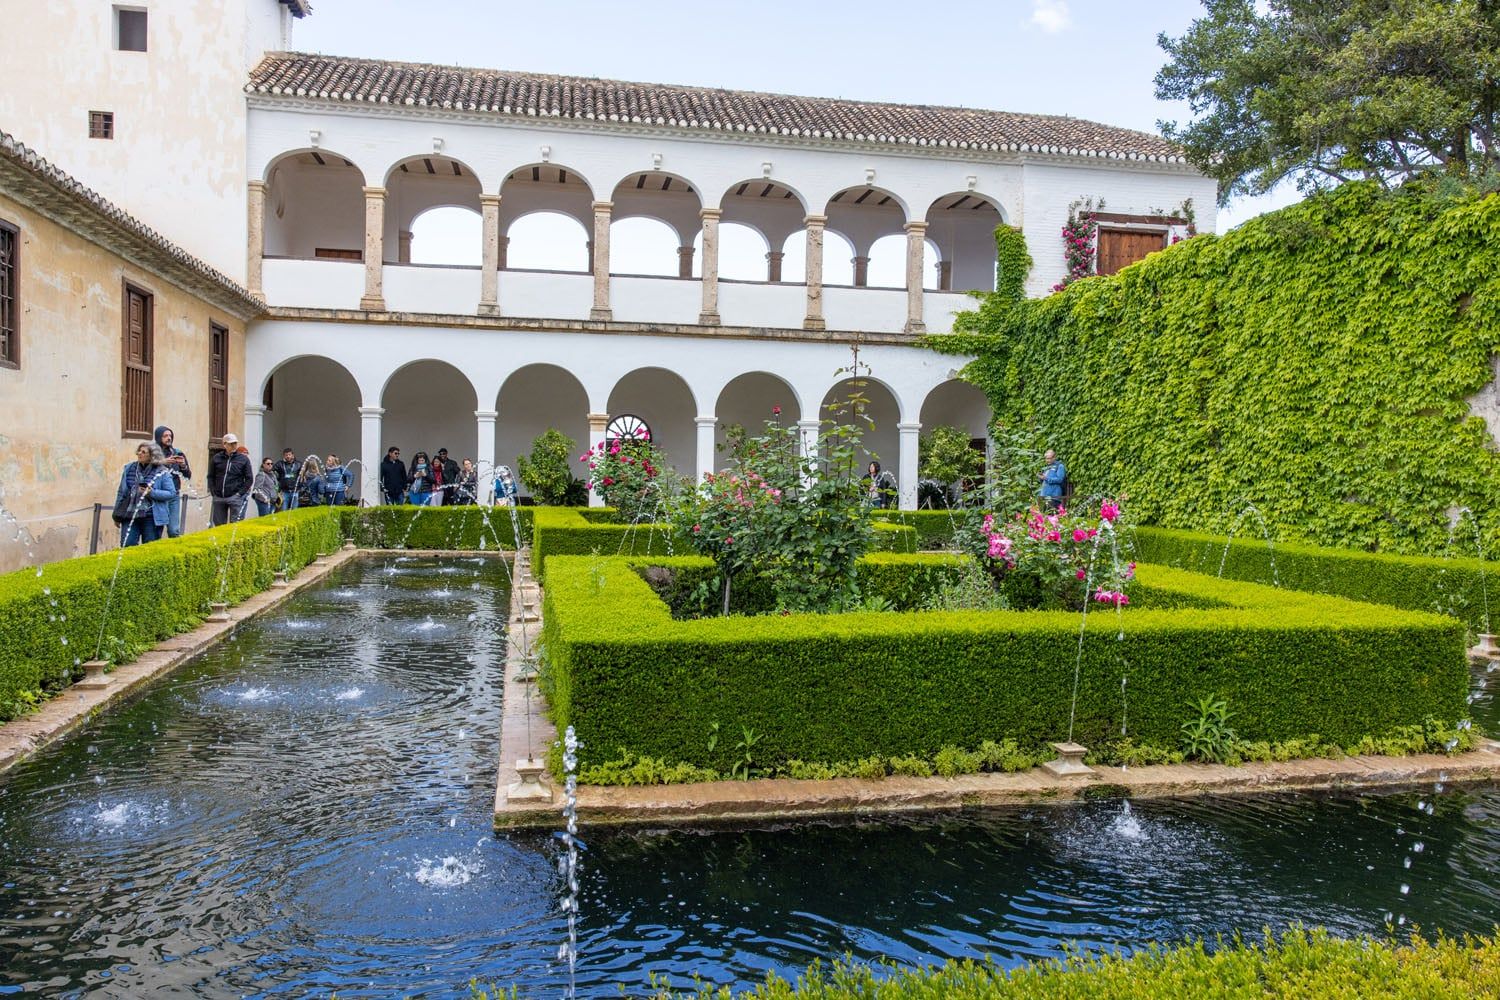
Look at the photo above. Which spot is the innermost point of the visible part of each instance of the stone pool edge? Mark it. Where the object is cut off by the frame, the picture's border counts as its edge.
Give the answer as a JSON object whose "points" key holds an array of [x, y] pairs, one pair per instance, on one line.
{"points": [[74, 707], [769, 800]]}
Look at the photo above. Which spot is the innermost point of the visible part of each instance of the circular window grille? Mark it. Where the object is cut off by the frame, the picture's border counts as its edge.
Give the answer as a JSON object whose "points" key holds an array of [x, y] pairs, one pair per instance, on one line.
{"points": [[627, 427]]}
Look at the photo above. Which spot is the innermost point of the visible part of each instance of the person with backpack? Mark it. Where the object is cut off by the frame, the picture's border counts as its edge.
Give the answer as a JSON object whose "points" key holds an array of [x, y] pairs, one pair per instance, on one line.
{"points": [[1054, 477]]}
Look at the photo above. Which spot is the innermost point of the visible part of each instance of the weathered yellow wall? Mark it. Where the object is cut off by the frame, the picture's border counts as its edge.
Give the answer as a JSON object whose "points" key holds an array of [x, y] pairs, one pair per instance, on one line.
{"points": [[61, 446]]}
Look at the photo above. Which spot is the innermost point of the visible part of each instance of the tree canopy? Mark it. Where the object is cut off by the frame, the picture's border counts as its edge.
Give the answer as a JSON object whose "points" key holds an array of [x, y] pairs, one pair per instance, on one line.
{"points": [[1324, 91]]}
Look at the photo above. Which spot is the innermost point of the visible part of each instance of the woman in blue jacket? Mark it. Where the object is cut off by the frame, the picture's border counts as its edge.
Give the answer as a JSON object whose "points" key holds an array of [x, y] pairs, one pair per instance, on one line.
{"points": [[147, 490]]}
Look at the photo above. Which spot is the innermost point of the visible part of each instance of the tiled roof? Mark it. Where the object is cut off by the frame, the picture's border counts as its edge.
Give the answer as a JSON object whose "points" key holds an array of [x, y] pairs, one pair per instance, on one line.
{"points": [[30, 179], [534, 95]]}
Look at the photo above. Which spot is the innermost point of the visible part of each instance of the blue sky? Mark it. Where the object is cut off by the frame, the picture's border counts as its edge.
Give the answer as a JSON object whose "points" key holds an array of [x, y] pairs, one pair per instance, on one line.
{"points": [[1087, 58]]}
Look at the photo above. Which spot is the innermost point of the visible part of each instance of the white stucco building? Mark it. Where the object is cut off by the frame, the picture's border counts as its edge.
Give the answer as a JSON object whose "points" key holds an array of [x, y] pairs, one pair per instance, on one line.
{"points": [[305, 177]]}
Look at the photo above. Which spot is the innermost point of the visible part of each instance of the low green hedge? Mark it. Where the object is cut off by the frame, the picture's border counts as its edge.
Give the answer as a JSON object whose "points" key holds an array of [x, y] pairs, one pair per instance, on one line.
{"points": [[832, 688], [1458, 587], [468, 528], [50, 622], [1299, 963], [934, 528], [578, 531]]}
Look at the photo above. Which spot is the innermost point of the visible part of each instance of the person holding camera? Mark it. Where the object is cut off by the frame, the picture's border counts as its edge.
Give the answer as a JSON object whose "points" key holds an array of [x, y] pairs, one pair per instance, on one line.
{"points": [[143, 502]]}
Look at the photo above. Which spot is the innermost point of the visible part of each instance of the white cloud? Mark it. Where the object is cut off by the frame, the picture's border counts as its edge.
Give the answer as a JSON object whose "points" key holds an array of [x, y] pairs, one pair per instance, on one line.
{"points": [[1051, 16]]}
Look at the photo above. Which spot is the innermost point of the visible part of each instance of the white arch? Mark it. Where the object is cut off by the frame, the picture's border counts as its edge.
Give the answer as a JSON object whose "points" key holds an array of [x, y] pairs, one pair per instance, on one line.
{"points": [[790, 388], [390, 377]]}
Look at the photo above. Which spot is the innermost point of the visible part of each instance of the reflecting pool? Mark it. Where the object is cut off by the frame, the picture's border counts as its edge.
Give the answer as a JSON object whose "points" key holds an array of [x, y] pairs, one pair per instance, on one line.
{"points": [[306, 808]]}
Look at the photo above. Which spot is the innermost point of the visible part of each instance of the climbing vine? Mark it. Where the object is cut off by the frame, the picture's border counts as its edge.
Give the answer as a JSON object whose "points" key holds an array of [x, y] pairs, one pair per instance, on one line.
{"points": [[1314, 362], [1013, 263]]}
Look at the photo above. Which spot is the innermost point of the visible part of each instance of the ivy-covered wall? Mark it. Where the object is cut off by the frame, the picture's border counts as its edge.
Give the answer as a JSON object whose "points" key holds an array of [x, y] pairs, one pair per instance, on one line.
{"points": [[1314, 362]]}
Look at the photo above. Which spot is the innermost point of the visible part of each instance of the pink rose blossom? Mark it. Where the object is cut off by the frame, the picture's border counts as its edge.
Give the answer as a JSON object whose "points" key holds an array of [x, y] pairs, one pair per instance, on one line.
{"points": [[1109, 510], [1079, 535]]}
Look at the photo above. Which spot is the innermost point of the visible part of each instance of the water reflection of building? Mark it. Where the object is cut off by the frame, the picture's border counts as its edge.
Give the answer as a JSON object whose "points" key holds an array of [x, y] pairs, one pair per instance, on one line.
{"points": [[686, 255]]}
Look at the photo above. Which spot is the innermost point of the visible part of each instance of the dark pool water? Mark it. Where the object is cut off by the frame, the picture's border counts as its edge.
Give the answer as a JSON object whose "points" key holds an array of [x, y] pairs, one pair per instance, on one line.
{"points": [[307, 809]]}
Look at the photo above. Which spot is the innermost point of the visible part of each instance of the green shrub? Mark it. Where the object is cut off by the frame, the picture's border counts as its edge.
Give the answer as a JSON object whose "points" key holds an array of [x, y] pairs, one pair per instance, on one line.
{"points": [[1458, 587], [829, 688], [1297, 963], [934, 528], [53, 621], [1314, 361], [548, 471], [469, 528]]}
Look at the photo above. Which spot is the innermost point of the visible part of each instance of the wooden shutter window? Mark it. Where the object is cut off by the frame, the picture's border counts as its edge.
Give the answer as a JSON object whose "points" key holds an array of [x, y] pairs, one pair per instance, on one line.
{"points": [[1121, 247], [136, 392], [218, 383], [10, 352]]}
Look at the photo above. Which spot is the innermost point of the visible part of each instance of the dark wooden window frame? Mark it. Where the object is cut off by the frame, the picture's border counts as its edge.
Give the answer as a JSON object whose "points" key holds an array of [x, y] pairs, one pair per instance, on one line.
{"points": [[218, 388], [149, 335], [101, 124], [11, 356]]}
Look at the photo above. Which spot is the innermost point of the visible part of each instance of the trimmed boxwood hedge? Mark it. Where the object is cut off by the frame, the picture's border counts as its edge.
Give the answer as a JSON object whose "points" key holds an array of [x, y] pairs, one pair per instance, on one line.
{"points": [[1457, 587], [469, 528], [830, 688], [934, 528], [581, 531], [50, 621]]}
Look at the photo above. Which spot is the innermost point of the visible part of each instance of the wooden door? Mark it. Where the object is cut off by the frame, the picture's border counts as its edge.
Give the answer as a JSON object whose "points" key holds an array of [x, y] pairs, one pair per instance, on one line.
{"points": [[138, 352]]}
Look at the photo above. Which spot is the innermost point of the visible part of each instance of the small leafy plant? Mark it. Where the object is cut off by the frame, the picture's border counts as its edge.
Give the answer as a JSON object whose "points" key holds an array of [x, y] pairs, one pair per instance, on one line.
{"points": [[745, 749], [1208, 736]]}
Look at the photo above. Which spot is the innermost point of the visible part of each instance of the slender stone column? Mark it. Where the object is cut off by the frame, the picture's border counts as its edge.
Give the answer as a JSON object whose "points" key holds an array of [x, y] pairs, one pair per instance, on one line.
{"points": [[773, 265], [601, 310], [255, 232], [255, 430], [489, 276], [808, 431], [371, 453], [861, 271], [374, 297], [907, 483], [403, 246], [916, 243], [710, 314], [814, 320], [945, 275], [684, 262], [484, 454], [597, 423], [705, 444]]}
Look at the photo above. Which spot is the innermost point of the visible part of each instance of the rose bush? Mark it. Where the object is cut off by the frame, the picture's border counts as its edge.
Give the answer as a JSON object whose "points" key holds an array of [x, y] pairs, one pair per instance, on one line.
{"points": [[630, 475], [1053, 559]]}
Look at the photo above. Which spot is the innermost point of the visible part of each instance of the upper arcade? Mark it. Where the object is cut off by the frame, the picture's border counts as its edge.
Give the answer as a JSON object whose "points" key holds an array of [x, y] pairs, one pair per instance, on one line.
{"points": [[727, 208]]}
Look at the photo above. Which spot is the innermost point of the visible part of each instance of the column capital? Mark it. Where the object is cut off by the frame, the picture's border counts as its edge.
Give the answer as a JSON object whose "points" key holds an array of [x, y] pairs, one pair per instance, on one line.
{"points": [[816, 220], [710, 213], [487, 414], [255, 409], [705, 421], [598, 422], [775, 254], [256, 185], [919, 226], [371, 411], [373, 192], [909, 426], [811, 423], [603, 206], [489, 199]]}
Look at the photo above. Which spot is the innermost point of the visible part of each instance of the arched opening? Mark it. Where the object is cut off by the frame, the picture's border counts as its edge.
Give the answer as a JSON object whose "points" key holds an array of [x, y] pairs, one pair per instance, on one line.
{"points": [[448, 236], [863, 215], [533, 237], [667, 199], [430, 405], [775, 212], [961, 405], [875, 414], [312, 407], [644, 246], [664, 401], [535, 399], [418, 184], [888, 263], [963, 227], [748, 401], [314, 207]]}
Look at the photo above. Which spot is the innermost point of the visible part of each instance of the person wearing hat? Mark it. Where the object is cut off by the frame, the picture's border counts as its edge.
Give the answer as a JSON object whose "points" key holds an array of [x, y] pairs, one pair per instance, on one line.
{"points": [[229, 479]]}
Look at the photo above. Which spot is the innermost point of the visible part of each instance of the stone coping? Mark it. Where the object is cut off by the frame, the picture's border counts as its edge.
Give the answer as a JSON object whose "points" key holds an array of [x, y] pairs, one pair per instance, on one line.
{"points": [[766, 800], [72, 708]]}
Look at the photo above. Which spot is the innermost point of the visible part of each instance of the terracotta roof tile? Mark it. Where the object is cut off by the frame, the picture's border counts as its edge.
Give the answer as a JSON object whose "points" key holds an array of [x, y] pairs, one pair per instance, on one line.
{"points": [[374, 81]]}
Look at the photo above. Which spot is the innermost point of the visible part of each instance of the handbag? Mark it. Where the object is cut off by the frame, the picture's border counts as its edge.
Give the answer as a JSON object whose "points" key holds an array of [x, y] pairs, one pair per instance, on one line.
{"points": [[127, 508]]}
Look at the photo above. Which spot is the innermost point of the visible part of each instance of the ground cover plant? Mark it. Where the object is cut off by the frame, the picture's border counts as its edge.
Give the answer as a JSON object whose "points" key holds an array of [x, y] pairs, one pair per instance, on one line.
{"points": [[123, 602], [838, 689]]}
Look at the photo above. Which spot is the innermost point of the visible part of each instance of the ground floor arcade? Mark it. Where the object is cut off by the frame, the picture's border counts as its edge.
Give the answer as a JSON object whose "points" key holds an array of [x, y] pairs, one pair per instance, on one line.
{"points": [[353, 389]]}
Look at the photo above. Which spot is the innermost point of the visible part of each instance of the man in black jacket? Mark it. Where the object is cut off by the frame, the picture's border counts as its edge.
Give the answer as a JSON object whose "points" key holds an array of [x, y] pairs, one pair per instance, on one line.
{"points": [[287, 473], [393, 476], [178, 463], [448, 481], [229, 479]]}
